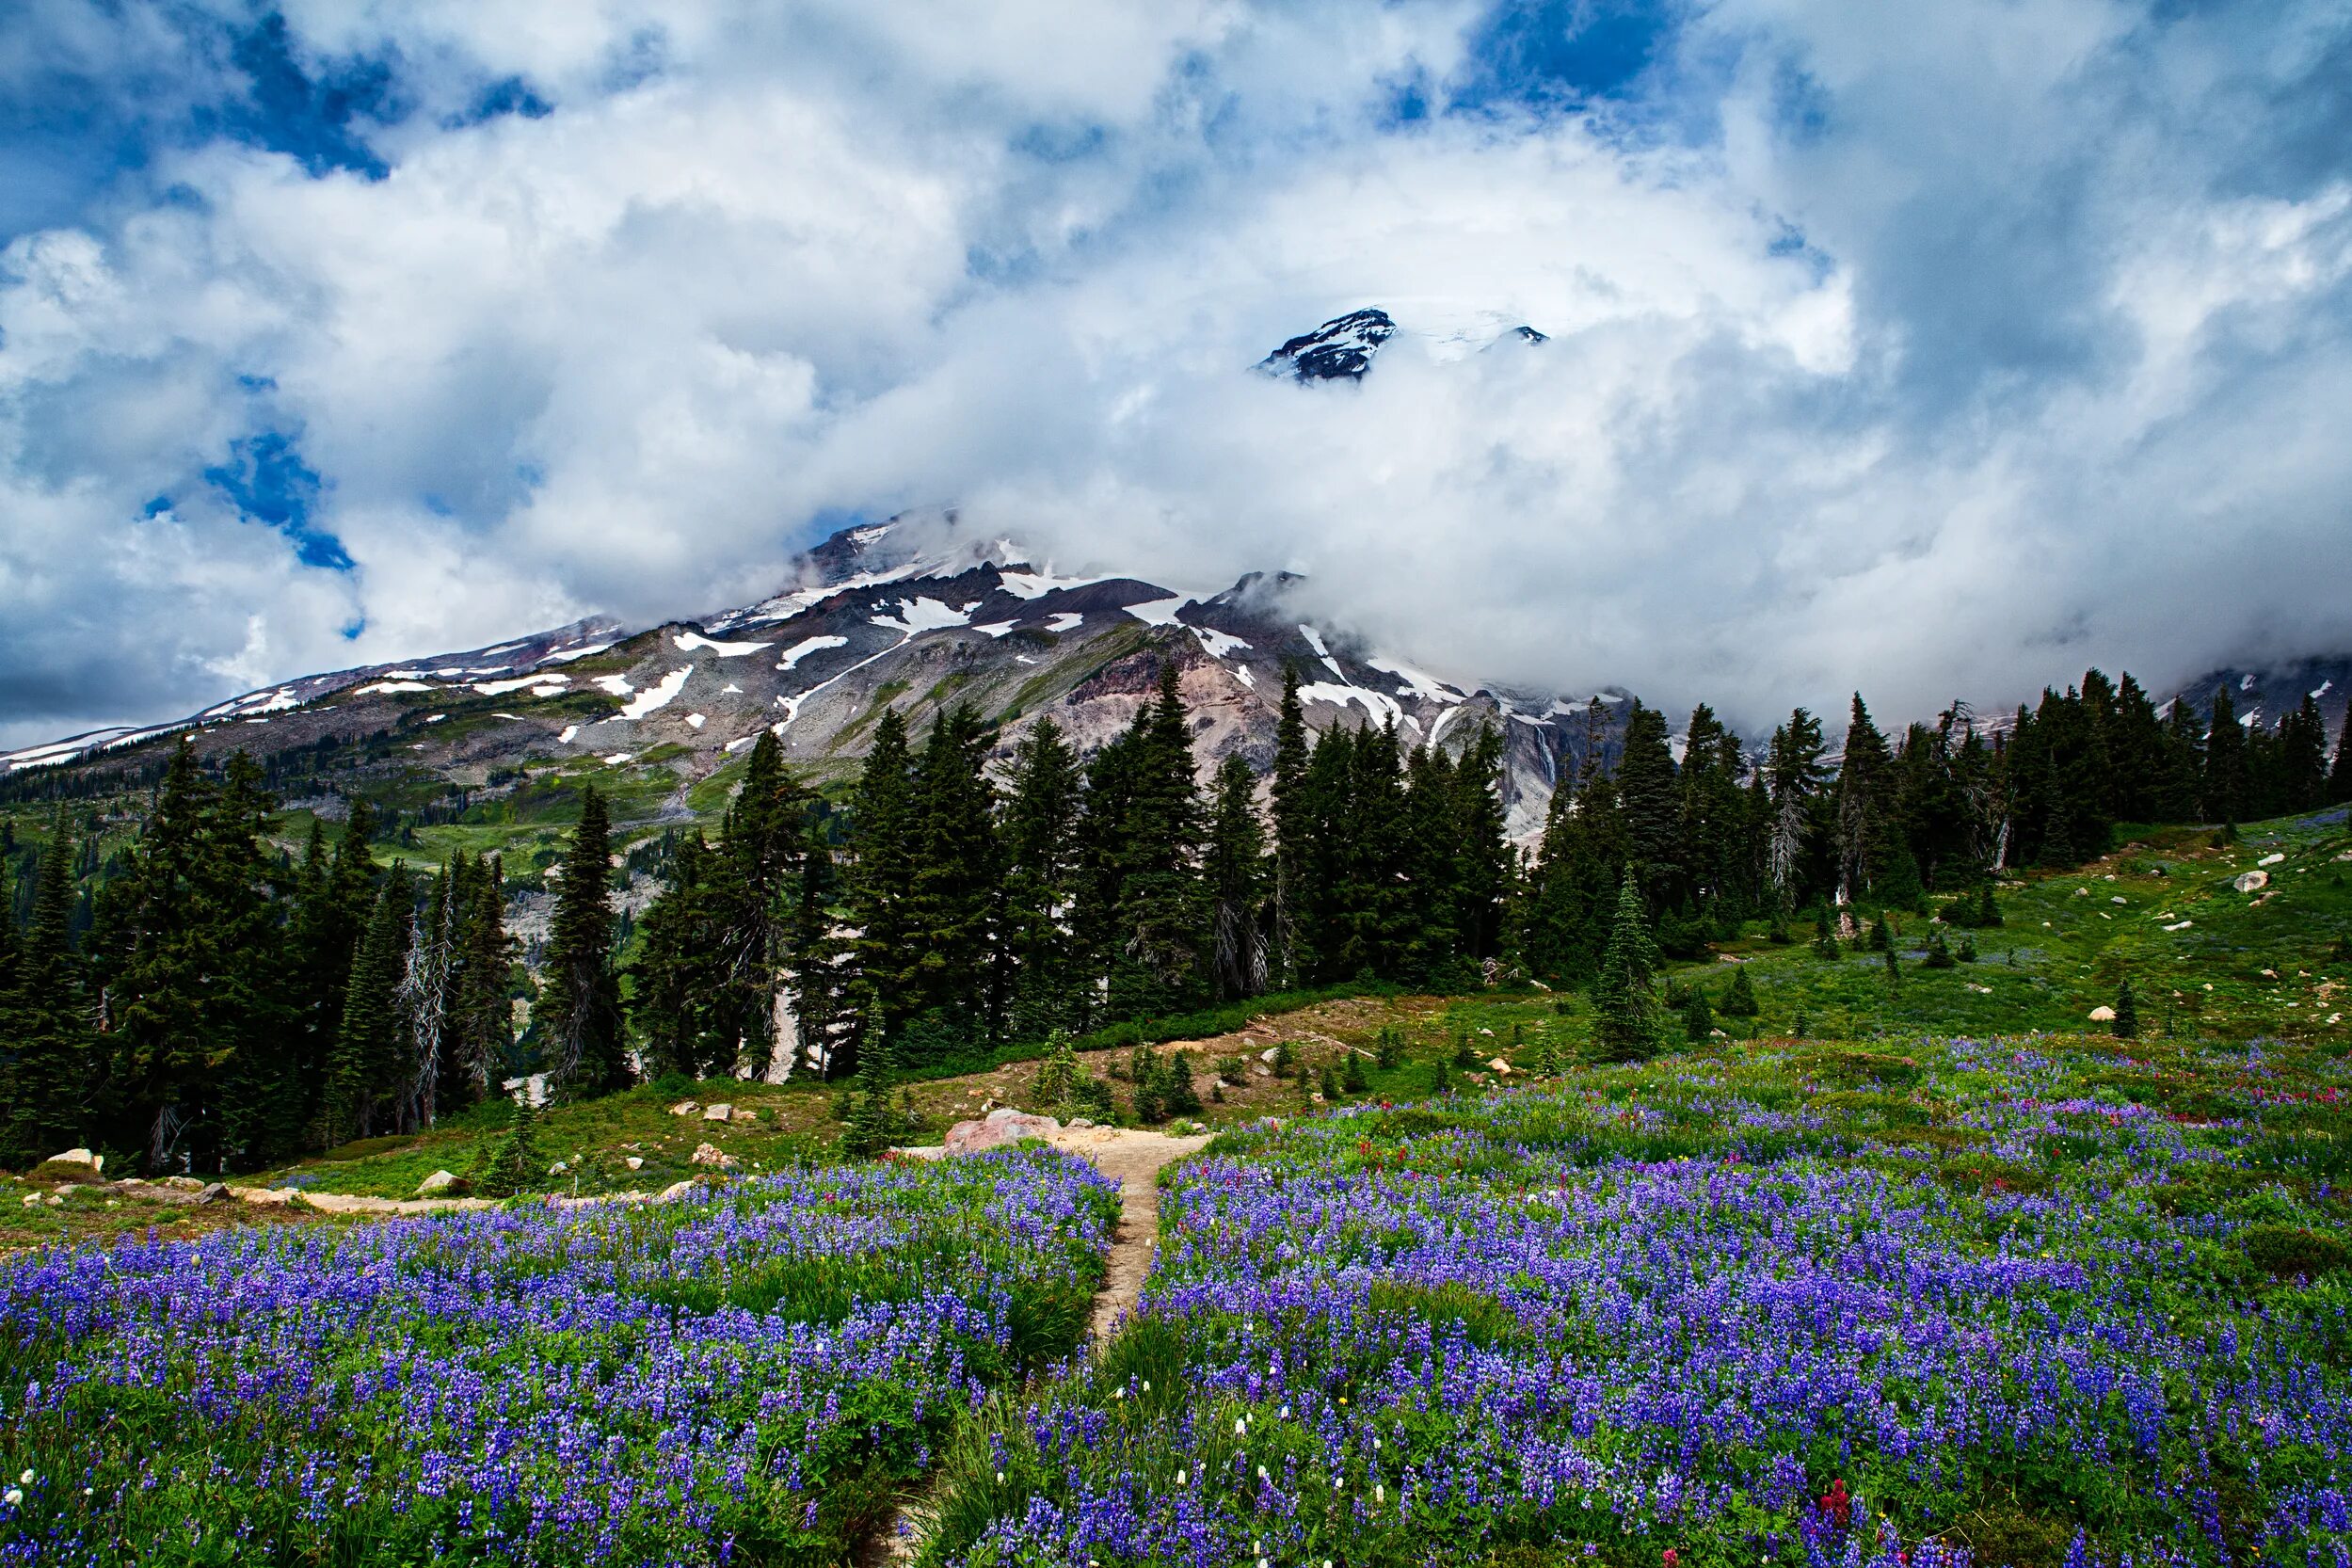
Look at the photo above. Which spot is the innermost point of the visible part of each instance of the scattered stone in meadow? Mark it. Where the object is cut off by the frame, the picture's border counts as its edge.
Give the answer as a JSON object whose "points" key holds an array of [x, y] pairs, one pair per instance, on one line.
{"points": [[93, 1164], [636, 1163], [213, 1192], [32, 1200], [1004, 1125], [741, 1117], [2180, 925], [2117, 899], [685, 1108], [2251, 881], [1498, 1064], [1079, 1124], [2102, 1015], [438, 1183], [183, 1184], [676, 1190], [717, 1113], [709, 1154], [2270, 861]]}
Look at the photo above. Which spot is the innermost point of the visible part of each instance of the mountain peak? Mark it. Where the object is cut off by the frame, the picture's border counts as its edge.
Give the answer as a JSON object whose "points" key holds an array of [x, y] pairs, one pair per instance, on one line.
{"points": [[1340, 347]]}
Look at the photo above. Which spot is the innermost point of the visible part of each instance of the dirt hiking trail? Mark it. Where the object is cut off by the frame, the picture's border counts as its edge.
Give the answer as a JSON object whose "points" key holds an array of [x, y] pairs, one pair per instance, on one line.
{"points": [[1133, 1159]]}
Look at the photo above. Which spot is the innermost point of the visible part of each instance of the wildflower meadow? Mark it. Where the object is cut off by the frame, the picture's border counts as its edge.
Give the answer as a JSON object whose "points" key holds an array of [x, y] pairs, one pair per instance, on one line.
{"points": [[743, 1377], [1950, 1303]]}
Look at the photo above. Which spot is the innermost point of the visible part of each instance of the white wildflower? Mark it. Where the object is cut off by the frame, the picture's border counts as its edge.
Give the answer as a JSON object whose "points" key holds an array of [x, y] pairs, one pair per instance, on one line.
{"points": [[12, 1497], [1183, 1476]]}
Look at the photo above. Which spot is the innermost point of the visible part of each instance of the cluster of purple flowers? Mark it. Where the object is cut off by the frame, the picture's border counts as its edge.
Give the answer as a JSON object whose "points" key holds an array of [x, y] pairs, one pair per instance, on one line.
{"points": [[1512, 1323], [738, 1377]]}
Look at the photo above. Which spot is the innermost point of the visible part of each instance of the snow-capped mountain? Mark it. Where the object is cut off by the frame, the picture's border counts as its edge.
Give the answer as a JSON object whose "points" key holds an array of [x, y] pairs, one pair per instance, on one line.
{"points": [[917, 613], [1344, 347]]}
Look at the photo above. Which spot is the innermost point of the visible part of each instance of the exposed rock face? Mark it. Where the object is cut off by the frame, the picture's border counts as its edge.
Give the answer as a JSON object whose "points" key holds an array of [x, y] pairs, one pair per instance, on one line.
{"points": [[1002, 1126], [718, 1159], [440, 1184], [2251, 881]]}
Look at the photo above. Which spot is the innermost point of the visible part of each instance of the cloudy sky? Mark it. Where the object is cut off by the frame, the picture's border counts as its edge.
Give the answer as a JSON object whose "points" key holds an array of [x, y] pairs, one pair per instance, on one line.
{"points": [[1937, 350]]}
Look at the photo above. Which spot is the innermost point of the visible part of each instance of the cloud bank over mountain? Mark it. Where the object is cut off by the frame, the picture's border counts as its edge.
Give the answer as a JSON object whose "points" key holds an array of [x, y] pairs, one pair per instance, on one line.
{"points": [[1938, 351]]}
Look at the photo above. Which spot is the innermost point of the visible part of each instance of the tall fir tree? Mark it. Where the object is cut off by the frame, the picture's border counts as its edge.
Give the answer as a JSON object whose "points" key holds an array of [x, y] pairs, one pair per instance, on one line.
{"points": [[2339, 771], [1041, 848], [49, 1078], [885, 829], [1293, 827], [579, 1014], [1157, 962], [1627, 1018], [946, 969], [2223, 797], [372, 1044]]}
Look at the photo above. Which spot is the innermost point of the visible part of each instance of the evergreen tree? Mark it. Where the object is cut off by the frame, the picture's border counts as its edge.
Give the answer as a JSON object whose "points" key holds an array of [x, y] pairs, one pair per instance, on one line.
{"points": [[578, 1013], [945, 972], [1796, 777], [2224, 792], [2126, 1012], [1624, 996], [511, 1165], [1938, 953], [1293, 956], [1351, 1077], [874, 1126], [1698, 1018], [2339, 771], [371, 1044], [1041, 843], [1234, 871], [1968, 946], [1868, 819], [678, 971], [482, 1026], [1651, 809], [1158, 965], [884, 839], [1741, 1000], [2303, 758], [48, 1075]]}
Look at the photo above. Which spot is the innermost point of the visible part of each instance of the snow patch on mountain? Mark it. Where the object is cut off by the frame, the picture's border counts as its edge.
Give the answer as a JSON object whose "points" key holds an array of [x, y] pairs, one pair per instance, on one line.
{"points": [[657, 696], [1158, 612], [1382, 708], [1068, 620], [689, 641], [922, 614], [1036, 584], [1220, 644], [807, 646], [387, 688]]}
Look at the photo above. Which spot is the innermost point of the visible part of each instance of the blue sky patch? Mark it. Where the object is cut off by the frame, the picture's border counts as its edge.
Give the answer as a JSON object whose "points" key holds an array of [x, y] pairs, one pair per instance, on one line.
{"points": [[267, 480]]}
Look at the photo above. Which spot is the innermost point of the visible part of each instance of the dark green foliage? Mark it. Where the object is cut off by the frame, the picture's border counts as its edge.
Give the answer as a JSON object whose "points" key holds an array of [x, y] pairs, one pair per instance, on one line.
{"points": [[1894, 973], [1739, 1000], [1351, 1077], [1040, 830], [48, 1074], [1968, 948], [1063, 1088], [370, 1054], [1388, 1048], [2126, 1024], [579, 1014], [511, 1165], [2288, 1252], [874, 1124], [1441, 1079], [1328, 1085], [1698, 1018], [1626, 1024], [1938, 953], [1825, 943], [1882, 934], [1164, 1085]]}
